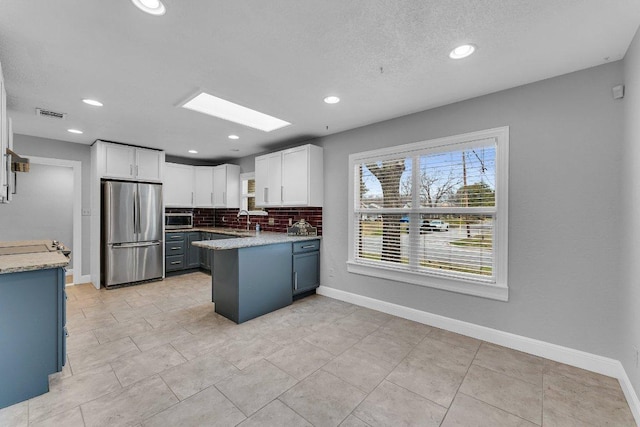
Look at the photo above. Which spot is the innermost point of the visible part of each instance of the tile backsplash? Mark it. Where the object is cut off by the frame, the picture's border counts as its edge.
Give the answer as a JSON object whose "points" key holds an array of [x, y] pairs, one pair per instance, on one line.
{"points": [[203, 217]]}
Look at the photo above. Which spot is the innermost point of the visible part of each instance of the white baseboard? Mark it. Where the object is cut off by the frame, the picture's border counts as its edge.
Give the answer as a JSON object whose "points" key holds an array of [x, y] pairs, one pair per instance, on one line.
{"points": [[580, 359], [80, 280]]}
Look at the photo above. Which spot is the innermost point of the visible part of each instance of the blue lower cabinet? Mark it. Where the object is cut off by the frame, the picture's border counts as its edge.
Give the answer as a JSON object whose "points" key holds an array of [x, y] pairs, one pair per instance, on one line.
{"points": [[32, 332]]}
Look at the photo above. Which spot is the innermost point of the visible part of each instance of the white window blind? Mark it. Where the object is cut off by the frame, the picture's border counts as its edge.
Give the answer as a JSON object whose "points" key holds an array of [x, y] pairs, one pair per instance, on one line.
{"points": [[433, 209]]}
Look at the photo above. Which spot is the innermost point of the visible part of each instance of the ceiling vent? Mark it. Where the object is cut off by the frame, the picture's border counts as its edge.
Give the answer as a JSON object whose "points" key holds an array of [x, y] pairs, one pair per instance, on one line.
{"points": [[41, 112]]}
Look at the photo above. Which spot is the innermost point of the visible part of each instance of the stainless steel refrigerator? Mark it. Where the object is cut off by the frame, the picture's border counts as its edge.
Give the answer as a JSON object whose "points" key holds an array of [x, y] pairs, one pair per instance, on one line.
{"points": [[132, 237]]}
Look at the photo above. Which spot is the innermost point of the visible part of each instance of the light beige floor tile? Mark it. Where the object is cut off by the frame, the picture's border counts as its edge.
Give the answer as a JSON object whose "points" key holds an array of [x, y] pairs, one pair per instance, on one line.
{"points": [[77, 325], [70, 418], [245, 353], [430, 380], [323, 399], [207, 408], [356, 325], [157, 337], [55, 378], [510, 362], [333, 339], [80, 303], [255, 386], [73, 391], [353, 421], [275, 414], [130, 369], [391, 405], [254, 328], [300, 359], [105, 309], [411, 332], [193, 346], [454, 339], [284, 334], [127, 315], [77, 341], [359, 368], [130, 405], [190, 378], [98, 355], [121, 330], [507, 393], [467, 411], [173, 302], [607, 384], [444, 354], [377, 317], [15, 415], [384, 347], [552, 418], [167, 318], [587, 403]]}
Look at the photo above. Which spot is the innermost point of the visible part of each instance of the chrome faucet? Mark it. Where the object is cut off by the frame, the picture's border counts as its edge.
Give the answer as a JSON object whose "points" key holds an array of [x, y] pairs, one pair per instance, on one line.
{"points": [[247, 213]]}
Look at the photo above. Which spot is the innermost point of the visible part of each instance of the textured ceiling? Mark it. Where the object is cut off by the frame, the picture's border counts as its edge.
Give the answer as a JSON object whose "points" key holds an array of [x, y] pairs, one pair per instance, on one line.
{"points": [[384, 58]]}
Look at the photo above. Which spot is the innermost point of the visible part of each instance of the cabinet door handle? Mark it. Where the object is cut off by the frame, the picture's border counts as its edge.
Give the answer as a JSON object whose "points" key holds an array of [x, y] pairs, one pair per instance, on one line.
{"points": [[308, 246], [295, 280], [137, 170], [282, 193], [131, 170], [224, 197], [212, 198], [176, 248], [266, 194], [176, 237], [192, 197], [176, 262]]}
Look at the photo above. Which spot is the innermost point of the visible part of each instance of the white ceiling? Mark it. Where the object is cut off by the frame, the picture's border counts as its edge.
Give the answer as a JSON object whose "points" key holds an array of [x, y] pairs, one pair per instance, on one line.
{"points": [[384, 58]]}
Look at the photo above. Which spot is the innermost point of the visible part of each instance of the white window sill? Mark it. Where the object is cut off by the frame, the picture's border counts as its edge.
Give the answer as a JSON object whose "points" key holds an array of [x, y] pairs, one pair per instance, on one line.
{"points": [[485, 290]]}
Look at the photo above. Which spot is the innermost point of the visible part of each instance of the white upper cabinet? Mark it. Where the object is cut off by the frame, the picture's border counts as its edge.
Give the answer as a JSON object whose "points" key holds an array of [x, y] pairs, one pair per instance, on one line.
{"points": [[291, 177], [4, 144], [204, 186], [269, 180], [226, 186], [178, 185], [127, 162]]}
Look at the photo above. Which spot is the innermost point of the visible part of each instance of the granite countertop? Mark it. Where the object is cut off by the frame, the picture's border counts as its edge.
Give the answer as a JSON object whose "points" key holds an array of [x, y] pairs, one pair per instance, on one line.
{"points": [[250, 239], [220, 230], [45, 257]]}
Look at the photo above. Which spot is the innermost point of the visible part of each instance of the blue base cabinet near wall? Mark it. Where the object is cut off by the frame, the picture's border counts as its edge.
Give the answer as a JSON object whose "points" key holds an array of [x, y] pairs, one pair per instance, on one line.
{"points": [[32, 332]]}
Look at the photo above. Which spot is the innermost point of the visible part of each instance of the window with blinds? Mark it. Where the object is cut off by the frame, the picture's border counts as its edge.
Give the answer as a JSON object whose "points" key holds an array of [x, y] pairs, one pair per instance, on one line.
{"points": [[434, 209]]}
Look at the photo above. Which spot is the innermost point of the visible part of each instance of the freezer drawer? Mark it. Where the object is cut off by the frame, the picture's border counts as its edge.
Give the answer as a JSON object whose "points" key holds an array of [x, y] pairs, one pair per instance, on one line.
{"points": [[129, 263]]}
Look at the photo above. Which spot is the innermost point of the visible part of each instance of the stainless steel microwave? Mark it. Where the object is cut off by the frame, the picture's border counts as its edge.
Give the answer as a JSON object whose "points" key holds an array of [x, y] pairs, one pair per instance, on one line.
{"points": [[175, 221]]}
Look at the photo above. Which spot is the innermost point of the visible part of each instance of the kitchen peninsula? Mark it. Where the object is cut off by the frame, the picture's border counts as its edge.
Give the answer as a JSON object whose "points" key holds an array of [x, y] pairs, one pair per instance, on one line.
{"points": [[32, 317], [261, 272]]}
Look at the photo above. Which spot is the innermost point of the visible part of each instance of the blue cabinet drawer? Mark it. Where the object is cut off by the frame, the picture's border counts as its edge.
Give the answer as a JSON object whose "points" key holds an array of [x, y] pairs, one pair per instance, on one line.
{"points": [[306, 246], [173, 248], [174, 263], [174, 237]]}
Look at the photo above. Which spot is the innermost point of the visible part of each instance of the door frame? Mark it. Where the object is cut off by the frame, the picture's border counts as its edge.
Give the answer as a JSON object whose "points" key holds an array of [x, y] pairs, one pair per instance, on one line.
{"points": [[76, 166]]}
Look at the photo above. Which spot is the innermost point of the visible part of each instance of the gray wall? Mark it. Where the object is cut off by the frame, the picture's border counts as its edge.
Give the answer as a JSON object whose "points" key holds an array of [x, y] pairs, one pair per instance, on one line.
{"points": [[55, 149], [42, 208], [565, 153], [630, 291]]}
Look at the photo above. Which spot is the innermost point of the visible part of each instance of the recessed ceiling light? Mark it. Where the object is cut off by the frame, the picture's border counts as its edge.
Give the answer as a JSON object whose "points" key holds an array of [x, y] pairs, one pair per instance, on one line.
{"points": [[226, 110], [153, 7], [193, 151], [234, 137], [332, 100], [74, 131], [92, 102], [462, 51]]}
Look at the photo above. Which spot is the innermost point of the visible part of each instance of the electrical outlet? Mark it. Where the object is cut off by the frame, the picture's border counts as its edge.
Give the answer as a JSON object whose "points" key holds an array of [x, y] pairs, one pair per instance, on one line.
{"points": [[86, 212], [224, 219], [290, 222], [331, 272], [272, 221]]}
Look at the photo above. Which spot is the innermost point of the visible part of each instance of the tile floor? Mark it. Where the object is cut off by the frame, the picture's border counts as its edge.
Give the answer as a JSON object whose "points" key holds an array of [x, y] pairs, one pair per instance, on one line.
{"points": [[158, 355]]}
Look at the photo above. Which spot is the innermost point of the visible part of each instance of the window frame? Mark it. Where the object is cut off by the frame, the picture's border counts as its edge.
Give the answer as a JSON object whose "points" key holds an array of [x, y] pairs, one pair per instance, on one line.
{"points": [[497, 289]]}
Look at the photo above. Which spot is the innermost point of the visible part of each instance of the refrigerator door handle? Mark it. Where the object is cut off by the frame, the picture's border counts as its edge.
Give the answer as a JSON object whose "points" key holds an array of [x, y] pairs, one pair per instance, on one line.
{"points": [[135, 215], [135, 245], [138, 219]]}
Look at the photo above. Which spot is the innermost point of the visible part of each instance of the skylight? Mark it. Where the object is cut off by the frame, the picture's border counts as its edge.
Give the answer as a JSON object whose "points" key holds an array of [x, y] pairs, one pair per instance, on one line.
{"points": [[226, 110]]}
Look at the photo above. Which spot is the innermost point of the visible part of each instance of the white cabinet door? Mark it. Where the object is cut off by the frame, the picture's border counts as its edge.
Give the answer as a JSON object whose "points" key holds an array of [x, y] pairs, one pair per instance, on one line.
{"points": [[204, 186], [269, 180], [119, 161], [295, 176], [178, 185], [226, 186], [149, 164], [4, 142]]}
